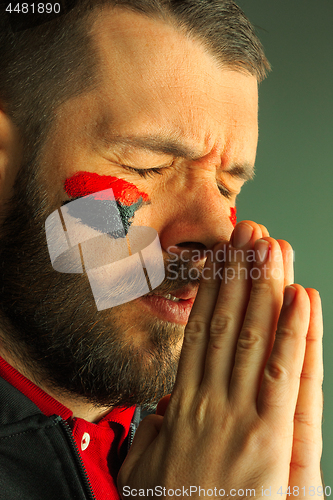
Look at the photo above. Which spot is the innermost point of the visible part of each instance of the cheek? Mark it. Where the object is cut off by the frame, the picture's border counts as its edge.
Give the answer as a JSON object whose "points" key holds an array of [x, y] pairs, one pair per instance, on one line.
{"points": [[86, 183], [233, 216], [100, 206]]}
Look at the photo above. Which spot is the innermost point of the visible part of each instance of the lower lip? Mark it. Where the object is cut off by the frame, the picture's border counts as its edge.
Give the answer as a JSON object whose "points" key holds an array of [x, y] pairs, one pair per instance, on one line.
{"points": [[174, 312]]}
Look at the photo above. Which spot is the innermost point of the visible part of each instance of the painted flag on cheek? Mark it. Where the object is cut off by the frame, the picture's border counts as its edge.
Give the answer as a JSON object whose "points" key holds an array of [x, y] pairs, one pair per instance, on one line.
{"points": [[100, 208]]}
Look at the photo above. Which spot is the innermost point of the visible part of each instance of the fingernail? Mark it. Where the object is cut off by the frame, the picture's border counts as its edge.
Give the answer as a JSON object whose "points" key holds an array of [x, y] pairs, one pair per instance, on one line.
{"points": [[242, 235], [262, 247], [289, 295]]}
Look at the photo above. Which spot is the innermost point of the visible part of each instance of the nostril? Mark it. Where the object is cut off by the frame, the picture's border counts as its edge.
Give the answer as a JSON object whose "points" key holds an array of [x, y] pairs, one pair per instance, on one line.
{"points": [[194, 245], [189, 251]]}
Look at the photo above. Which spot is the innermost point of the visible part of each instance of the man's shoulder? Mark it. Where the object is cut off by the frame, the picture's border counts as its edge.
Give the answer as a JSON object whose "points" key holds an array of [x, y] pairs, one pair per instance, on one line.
{"points": [[36, 459]]}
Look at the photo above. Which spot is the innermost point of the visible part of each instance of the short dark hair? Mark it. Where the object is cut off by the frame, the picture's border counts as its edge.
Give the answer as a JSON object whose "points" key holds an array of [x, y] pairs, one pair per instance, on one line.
{"points": [[43, 66]]}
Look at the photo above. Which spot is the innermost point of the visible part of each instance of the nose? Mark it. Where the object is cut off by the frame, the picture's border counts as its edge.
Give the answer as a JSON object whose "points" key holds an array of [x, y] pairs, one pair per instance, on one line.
{"points": [[195, 219]]}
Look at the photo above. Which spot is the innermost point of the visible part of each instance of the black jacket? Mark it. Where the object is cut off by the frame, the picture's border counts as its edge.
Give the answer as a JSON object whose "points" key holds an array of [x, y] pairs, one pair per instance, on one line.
{"points": [[38, 455]]}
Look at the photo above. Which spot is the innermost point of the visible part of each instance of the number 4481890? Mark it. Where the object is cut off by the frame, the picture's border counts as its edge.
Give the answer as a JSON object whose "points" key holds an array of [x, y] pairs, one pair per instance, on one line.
{"points": [[303, 491], [38, 8]]}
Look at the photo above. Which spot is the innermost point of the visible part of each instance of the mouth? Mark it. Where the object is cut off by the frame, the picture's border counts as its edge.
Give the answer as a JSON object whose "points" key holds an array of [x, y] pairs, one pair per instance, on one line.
{"points": [[174, 307]]}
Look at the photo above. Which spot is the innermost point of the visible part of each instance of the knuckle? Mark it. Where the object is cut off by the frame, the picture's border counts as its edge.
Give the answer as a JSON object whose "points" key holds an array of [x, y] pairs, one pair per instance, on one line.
{"points": [[298, 467], [249, 338], [316, 377], [194, 331], [199, 413], [284, 333], [260, 288], [276, 372], [230, 271], [220, 324], [305, 419]]}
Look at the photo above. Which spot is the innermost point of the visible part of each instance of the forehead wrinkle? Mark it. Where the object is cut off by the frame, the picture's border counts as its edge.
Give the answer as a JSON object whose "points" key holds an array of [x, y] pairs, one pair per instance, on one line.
{"points": [[192, 91]]}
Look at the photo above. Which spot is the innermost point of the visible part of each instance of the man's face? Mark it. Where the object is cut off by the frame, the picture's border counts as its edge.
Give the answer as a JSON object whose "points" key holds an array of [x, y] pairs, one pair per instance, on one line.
{"points": [[162, 102]]}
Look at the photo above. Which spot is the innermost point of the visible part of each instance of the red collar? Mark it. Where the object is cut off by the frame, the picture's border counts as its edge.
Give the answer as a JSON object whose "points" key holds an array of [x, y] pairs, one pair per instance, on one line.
{"points": [[50, 406]]}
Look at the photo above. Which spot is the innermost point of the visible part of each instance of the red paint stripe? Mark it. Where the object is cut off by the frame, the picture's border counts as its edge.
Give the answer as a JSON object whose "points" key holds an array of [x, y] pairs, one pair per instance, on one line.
{"points": [[85, 183], [233, 216]]}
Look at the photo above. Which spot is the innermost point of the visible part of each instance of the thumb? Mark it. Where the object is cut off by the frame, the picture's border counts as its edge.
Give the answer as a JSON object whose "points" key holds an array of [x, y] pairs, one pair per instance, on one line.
{"points": [[162, 405], [146, 433]]}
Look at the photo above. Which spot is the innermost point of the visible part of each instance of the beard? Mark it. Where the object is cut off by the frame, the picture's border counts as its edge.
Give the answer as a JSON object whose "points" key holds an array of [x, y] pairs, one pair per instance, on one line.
{"points": [[51, 326]]}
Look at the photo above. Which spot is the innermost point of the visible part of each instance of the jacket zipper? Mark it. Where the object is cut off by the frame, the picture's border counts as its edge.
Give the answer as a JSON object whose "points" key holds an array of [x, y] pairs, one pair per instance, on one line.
{"points": [[79, 461], [131, 433], [133, 426]]}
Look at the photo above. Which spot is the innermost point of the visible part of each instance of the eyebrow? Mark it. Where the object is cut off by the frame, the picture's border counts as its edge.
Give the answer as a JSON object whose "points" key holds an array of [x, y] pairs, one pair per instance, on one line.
{"points": [[162, 145], [244, 171]]}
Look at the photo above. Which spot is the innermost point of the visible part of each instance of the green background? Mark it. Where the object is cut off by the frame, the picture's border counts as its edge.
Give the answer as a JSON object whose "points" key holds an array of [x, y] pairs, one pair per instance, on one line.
{"points": [[292, 191]]}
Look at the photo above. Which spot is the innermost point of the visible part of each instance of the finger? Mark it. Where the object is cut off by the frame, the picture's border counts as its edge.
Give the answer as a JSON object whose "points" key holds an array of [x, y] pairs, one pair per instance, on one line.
{"points": [[281, 378], [196, 334], [288, 262], [261, 230], [264, 230], [231, 306], [308, 415], [257, 333]]}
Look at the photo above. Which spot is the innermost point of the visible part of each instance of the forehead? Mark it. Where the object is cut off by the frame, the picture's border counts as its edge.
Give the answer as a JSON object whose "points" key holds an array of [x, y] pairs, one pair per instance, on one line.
{"points": [[156, 79]]}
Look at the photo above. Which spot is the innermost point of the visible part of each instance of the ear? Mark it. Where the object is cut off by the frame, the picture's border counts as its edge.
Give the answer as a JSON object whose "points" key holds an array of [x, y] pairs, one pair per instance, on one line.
{"points": [[10, 155]]}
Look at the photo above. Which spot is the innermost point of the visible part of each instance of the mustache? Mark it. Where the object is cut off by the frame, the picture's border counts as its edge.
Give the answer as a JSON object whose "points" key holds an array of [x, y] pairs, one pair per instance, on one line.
{"points": [[179, 274]]}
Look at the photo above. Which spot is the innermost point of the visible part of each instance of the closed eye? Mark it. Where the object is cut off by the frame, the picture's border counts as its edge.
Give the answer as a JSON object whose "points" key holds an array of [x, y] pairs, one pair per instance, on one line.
{"points": [[150, 172], [224, 191]]}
